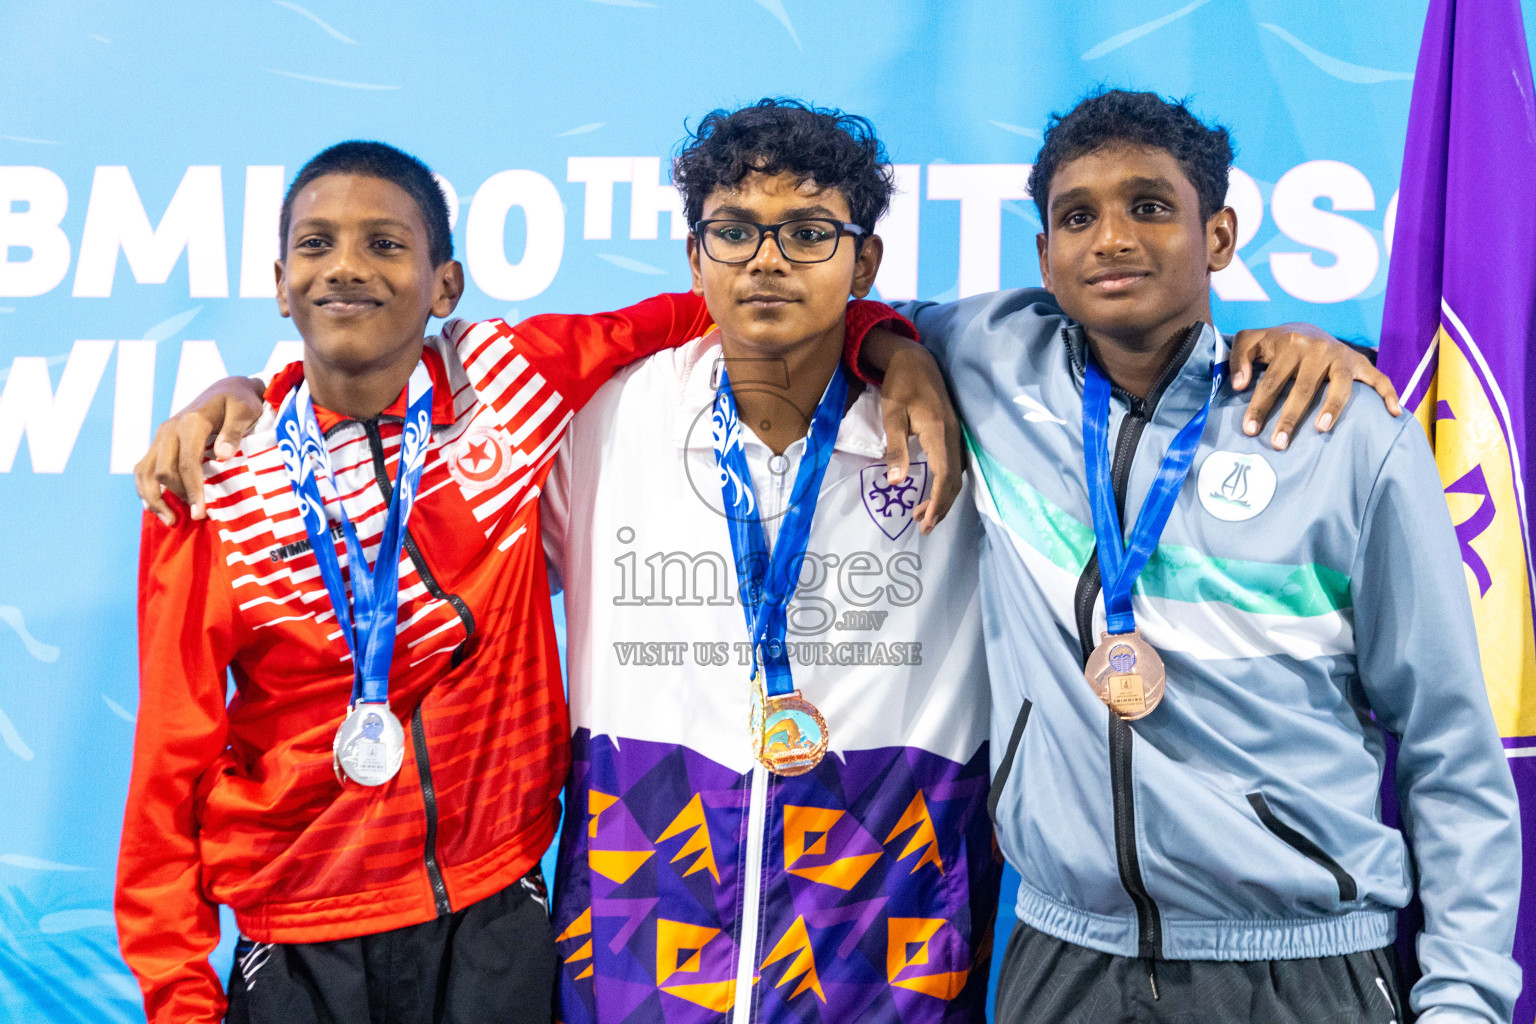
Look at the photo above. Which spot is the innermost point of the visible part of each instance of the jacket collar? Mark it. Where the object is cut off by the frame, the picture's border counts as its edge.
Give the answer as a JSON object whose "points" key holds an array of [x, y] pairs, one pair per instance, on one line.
{"points": [[291, 376], [1183, 387], [862, 432]]}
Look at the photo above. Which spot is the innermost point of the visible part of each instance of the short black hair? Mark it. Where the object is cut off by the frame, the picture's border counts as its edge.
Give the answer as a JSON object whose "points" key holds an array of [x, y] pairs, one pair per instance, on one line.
{"points": [[778, 136], [1113, 116], [385, 162]]}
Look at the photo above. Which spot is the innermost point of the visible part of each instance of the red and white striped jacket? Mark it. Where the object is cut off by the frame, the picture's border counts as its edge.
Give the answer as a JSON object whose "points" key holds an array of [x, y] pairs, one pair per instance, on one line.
{"points": [[237, 804]]}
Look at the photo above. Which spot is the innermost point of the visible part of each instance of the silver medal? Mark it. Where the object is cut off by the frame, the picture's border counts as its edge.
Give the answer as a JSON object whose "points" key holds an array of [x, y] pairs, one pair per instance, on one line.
{"points": [[370, 745]]}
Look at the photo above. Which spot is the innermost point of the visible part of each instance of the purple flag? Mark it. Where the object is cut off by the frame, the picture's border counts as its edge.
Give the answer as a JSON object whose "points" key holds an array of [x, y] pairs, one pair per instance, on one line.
{"points": [[1457, 340]]}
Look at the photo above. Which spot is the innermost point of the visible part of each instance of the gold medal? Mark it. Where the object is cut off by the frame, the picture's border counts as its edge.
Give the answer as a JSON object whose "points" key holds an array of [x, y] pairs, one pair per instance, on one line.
{"points": [[1127, 674], [792, 736]]}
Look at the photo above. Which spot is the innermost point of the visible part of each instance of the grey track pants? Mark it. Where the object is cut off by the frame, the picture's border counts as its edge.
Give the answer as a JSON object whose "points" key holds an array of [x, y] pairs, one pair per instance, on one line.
{"points": [[1047, 981]]}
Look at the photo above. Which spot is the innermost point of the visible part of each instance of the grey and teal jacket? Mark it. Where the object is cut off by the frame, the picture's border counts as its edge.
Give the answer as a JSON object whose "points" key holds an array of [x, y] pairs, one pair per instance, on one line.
{"points": [[1305, 603]]}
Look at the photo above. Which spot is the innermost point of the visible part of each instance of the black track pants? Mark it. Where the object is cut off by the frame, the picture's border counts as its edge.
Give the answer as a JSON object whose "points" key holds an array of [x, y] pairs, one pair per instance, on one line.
{"points": [[1047, 981], [490, 962]]}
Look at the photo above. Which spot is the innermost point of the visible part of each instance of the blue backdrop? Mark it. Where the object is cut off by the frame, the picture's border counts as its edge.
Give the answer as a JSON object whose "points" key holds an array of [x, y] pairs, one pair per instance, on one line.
{"points": [[143, 152]]}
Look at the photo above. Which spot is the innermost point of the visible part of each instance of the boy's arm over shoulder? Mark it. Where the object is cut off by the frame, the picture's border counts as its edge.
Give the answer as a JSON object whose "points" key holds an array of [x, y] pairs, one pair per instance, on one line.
{"points": [[575, 354], [166, 927], [1418, 662]]}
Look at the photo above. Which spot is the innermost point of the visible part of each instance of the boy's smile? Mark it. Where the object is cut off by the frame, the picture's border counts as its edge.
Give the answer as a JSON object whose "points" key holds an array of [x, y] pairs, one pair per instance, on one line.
{"points": [[358, 281], [1126, 252]]}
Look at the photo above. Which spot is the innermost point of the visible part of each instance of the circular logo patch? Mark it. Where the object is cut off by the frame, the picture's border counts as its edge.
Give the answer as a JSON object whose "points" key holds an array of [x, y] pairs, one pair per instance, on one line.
{"points": [[1234, 486], [481, 459]]}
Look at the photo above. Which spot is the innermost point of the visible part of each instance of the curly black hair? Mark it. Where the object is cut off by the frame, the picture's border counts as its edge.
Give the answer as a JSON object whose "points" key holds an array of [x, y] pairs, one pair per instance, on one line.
{"points": [[777, 136], [378, 160], [1111, 116]]}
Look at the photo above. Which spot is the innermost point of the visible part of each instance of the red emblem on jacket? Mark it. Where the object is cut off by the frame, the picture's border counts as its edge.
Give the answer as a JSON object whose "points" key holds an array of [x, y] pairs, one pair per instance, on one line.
{"points": [[481, 459]]}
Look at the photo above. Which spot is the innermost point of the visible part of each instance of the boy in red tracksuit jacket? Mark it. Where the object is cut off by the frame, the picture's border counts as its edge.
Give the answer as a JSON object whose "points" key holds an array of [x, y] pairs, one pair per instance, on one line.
{"points": [[418, 898]]}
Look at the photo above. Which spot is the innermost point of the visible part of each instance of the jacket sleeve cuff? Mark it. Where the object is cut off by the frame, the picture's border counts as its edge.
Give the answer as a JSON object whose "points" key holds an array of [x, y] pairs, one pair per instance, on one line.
{"points": [[863, 315]]}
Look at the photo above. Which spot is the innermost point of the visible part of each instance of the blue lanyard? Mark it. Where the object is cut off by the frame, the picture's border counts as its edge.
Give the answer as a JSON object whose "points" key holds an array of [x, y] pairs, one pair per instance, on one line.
{"points": [[767, 583], [368, 621], [1121, 561]]}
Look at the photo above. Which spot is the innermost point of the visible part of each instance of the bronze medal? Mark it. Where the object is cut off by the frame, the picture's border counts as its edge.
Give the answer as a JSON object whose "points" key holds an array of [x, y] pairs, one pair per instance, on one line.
{"points": [[792, 738], [1127, 674]]}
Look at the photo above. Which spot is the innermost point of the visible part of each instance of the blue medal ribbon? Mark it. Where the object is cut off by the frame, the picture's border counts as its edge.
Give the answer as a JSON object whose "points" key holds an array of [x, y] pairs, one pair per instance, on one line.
{"points": [[368, 620], [1121, 560], [766, 583]]}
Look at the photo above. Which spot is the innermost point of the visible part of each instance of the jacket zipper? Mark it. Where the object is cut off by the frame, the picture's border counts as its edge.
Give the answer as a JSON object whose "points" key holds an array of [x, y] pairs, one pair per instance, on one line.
{"points": [[418, 730], [429, 801], [1121, 737], [751, 895], [757, 827]]}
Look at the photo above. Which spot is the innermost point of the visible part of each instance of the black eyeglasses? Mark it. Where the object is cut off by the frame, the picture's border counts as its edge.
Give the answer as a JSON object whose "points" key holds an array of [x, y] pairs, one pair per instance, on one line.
{"points": [[805, 240]]}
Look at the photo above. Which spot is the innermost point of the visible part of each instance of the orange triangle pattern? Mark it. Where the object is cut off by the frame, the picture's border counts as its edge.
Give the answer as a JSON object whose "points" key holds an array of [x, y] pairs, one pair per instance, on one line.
{"points": [[903, 932], [840, 874], [577, 928], [692, 817], [796, 940], [798, 821], [940, 986], [917, 814], [674, 937], [803, 822], [617, 865], [718, 996], [597, 803]]}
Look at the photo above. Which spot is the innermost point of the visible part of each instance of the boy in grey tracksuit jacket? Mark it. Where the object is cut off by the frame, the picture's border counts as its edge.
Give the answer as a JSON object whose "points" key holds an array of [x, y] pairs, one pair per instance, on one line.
{"points": [[1304, 602]]}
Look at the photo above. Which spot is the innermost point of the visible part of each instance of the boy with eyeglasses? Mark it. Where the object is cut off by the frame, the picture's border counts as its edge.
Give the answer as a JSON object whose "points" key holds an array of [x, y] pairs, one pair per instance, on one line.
{"points": [[786, 820]]}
